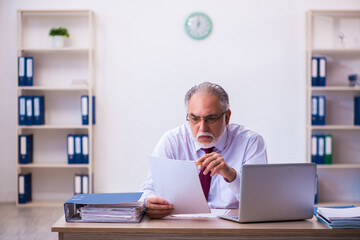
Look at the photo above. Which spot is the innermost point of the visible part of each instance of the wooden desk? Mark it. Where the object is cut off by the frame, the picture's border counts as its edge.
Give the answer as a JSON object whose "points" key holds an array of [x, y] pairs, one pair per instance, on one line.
{"points": [[200, 228]]}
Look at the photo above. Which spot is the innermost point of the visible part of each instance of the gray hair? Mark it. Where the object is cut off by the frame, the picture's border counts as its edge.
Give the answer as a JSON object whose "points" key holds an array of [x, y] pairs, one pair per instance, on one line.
{"points": [[211, 89]]}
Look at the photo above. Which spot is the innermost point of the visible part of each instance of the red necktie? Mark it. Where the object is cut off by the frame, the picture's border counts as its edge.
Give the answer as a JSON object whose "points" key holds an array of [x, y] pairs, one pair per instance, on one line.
{"points": [[205, 180]]}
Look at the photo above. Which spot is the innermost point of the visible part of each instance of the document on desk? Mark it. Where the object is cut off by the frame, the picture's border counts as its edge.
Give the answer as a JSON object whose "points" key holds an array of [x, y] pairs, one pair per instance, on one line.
{"points": [[177, 181]]}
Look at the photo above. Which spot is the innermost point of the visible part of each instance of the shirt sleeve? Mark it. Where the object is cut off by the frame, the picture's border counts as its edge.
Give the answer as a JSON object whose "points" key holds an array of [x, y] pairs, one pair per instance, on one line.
{"points": [[255, 153]]}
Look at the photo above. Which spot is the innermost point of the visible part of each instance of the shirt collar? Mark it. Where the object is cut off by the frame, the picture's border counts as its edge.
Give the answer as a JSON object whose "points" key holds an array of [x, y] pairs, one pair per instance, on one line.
{"points": [[220, 145]]}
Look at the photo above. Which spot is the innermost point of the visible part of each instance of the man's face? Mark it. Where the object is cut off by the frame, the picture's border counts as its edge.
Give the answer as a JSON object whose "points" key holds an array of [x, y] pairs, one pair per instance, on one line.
{"points": [[202, 106]]}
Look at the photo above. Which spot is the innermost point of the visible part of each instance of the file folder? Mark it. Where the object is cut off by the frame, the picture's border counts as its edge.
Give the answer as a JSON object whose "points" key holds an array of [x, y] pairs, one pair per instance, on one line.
{"points": [[21, 71], [321, 110], [25, 149], [314, 71], [84, 183], [321, 149], [314, 110], [314, 149], [24, 188], [322, 71], [357, 110], [22, 110], [70, 149], [78, 147], [29, 110], [77, 184], [117, 202], [29, 71], [93, 110], [85, 149], [85, 109], [39, 115], [328, 149]]}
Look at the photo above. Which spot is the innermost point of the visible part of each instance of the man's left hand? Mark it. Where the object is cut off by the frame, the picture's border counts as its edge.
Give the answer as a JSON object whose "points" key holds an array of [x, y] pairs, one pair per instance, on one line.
{"points": [[214, 163]]}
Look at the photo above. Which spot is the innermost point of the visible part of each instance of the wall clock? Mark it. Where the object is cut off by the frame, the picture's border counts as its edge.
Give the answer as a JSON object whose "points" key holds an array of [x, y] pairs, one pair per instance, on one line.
{"points": [[198, 25]]}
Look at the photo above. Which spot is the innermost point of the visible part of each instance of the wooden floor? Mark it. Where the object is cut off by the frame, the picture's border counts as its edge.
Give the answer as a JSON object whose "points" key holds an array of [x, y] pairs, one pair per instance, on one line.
{"points": [[30, 223]]}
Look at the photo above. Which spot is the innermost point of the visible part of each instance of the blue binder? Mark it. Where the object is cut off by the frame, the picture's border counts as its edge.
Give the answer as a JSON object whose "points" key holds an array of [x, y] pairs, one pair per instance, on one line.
{"points": [[24, 188], [29, 110], [71, 149], [93, 110], [21, 71], [39, 107], [314, 149], [25, 149], [29, 71], [78, 148], [85, 109], [314, 71], [85, 149], [322, 71], [22, 110], [321, 110], [321, 149], [314, 110], [77, 184], [357, 110]]}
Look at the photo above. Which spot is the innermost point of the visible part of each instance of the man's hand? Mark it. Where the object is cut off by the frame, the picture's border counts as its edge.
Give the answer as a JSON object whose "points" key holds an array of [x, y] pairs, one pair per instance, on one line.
{"points": [[214, 163], [158, 207]]}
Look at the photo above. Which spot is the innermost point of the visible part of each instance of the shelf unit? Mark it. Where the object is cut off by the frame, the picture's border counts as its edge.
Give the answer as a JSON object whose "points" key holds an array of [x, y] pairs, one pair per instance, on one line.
{"points": [[57, 75], [338, 182]]}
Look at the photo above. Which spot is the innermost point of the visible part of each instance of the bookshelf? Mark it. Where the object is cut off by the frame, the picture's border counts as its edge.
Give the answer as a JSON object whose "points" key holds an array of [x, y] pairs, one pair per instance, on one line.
{"points": [[339, 181], [62, 75]]}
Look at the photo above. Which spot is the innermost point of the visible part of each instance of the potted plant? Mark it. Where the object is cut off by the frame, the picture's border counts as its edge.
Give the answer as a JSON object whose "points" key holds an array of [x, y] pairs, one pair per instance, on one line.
{"points": [[59, 35]]}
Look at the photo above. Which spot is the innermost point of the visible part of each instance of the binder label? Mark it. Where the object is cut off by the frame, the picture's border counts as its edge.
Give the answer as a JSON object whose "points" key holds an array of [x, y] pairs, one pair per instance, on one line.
{"points": [[322, 72], [23, 145], [29, 107], [77, 145], [36, 106], [321, 146], [85, 147], [21, 67], [313, 146], [321, 106], [314, 105], [21, 184], [71, 145], [84, 106], [314, 67], [328, 146], [22, 106], [29, 67]]}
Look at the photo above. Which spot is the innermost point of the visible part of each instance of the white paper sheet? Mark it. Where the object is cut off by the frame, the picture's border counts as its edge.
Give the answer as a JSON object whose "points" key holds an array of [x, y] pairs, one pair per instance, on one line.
{"points": [[178, 182], [214, 213]]}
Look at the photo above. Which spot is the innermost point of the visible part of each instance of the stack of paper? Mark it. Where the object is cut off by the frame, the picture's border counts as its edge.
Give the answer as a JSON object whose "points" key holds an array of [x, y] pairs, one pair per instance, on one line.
{"points": [[339, 217], [104, 207]]}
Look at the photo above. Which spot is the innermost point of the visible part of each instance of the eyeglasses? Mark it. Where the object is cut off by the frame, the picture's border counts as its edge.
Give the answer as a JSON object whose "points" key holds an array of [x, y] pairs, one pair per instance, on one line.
{"points": [[208, 119]]}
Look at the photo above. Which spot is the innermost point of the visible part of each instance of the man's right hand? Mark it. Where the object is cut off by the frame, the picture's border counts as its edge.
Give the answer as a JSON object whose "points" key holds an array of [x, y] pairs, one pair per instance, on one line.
{"points": [[158, 207]]}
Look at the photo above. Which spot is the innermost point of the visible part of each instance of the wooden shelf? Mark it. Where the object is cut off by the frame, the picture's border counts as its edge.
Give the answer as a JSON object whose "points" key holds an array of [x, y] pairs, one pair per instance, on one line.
{"points": [[52, 165], [329, 51], [55, 127], [339, 166], [335, 127], [335, 89], [55, 50], [45, 88]]}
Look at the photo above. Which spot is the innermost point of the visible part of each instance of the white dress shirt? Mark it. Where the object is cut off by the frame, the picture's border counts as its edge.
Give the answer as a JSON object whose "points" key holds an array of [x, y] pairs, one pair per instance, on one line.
{"points": [[237, 146]]}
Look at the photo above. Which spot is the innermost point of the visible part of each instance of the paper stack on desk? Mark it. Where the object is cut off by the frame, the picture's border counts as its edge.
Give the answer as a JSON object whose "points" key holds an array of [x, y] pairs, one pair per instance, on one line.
{"points": [[339, 217], [104, 207]]}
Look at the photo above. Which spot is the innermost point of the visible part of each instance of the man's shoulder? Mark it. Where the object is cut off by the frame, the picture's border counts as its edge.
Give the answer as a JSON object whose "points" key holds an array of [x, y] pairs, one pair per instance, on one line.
{"points": [[236, 130]]}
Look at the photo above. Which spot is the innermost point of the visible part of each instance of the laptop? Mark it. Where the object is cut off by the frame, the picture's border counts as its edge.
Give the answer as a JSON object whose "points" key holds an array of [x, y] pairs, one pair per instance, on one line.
{"points": [[276, 192]]}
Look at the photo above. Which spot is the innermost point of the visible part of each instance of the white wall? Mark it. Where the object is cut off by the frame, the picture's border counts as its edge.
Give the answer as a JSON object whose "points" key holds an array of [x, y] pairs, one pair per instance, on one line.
{"points": [[145, 63]]}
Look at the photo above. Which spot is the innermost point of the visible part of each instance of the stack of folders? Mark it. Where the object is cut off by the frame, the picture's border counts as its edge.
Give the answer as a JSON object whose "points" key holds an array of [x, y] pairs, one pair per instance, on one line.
{"points": [[318, 71], [25, 148], [321, 148], [104, 207], [81, 183], [31, 110], [348, 217], [318, 110], [25, 71], [78, 149], [85, 110], [357, 110], [24, 188]]}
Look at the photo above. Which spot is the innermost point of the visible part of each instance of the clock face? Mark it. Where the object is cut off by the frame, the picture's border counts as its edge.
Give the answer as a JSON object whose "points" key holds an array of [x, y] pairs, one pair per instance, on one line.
{"points": [[198, 26]]}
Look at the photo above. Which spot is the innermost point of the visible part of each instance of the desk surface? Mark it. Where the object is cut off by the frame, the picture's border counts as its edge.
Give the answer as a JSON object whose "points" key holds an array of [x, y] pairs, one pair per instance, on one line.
{"points": [[202, 228]]}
